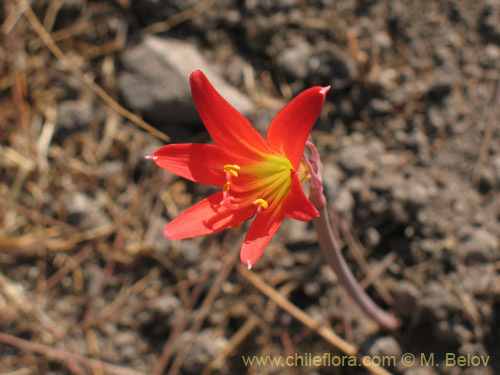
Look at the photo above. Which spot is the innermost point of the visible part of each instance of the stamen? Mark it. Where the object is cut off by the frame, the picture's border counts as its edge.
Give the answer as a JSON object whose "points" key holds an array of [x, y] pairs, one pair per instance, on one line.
{"points": [[261, 203], [227, 199], [231, 170], [231, 167]]}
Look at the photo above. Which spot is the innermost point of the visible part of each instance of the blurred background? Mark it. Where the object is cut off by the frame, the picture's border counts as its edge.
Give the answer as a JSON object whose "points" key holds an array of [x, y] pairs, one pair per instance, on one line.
{"points": [[408, 136]]}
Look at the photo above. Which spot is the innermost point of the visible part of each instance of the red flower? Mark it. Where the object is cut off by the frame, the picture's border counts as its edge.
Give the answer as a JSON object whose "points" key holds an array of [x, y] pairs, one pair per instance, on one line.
{"points": [[257, 177]]}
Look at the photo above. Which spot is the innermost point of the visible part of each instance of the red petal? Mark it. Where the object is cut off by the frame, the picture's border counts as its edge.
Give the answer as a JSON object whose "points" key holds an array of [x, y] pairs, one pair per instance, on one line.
{"points": [[260, 233], [227, 127], [290, 128], [207, 216], [196, 162], [296, 205]]}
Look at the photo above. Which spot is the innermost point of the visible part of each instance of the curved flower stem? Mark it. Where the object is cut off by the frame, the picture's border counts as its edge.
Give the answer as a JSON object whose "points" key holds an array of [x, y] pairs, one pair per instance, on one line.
{"points": [[331, 251]]}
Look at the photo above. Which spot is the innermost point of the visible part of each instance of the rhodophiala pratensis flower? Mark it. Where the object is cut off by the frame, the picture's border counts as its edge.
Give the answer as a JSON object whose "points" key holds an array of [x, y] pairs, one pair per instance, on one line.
{"points": [[257, 178]]}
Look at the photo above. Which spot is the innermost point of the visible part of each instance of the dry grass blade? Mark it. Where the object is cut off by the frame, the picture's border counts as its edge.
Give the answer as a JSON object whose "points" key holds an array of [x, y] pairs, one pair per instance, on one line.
{"points": [[188, 14], [482, 158], [168, 348], [65, 61], [70, 265], [241, 334], [325, 332], [235, 340], [64, 355], [229, 263]]}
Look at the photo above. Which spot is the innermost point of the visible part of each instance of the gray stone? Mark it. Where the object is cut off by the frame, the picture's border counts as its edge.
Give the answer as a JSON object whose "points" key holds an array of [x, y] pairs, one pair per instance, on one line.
{"points": [[295, 60], [205, 346], [384, 346], [353, 158], [330, 64], [490, 24], [406, 296], [343, 201], [166, 304], [155, 81], [381, 106], [298, 234], [438, 303], [84, 211], [420, 371], [73, 116], [480, 247], [436, 119]]}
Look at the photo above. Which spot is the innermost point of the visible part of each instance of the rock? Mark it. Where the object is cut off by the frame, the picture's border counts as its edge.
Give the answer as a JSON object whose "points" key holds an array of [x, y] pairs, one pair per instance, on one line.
{"points": [[406, 296], [330, 64], [84, 211], [384, 346], [353, 158], [332, 175], [487, 180], [205, 346], [113, 168], [342, 200], [234, 71], [73, 116], [155, 81], [420, 371], [312, 289], [438, 303], [295, 60], [166, 305], [381, 106], [473, 349], [435, 119], [299, 235], [161, 316], [372, 237], [478, 280], [480, 247], [126, 341], [490, 23]]}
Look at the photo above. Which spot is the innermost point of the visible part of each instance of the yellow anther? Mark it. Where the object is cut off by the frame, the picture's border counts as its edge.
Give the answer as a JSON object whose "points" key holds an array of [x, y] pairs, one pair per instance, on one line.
{"points": [[261, 202], [226, 186], [232, 168], [228, 167]]}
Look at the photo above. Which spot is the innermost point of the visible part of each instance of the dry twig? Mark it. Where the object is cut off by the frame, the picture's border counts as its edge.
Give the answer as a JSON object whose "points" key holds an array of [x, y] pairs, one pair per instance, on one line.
{"points": [[64, 355], [491, 117], [325, 332], [161, 27], [66, 62], [229, 263]]}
